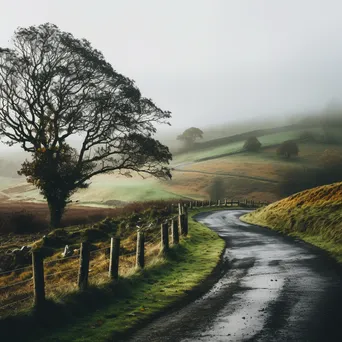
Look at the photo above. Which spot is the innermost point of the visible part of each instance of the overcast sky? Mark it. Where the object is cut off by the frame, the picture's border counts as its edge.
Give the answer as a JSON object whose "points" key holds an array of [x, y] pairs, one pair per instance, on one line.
{"points": [[207, 61]]}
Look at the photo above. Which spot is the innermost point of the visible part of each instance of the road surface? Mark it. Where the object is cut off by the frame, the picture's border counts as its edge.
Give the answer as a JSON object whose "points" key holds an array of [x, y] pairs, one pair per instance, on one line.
{"points": [[273, 289]]}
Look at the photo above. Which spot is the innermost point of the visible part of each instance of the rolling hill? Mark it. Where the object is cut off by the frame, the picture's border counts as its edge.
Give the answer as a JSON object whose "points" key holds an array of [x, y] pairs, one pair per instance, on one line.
{"points": [[245, 175], [313, 215]]}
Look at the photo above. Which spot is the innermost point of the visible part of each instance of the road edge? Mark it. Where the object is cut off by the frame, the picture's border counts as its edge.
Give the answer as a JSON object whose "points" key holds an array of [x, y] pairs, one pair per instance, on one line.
{"points": [[297, 240], [195, 293]]}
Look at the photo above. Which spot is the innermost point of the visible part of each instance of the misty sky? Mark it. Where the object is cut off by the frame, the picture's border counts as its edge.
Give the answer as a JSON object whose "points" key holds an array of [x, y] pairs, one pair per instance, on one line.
{"points": [[211, 61]]}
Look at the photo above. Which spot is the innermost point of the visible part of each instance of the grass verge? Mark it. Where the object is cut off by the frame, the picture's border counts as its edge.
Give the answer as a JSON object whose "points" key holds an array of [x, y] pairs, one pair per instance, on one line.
{"points": [[114, 310]]}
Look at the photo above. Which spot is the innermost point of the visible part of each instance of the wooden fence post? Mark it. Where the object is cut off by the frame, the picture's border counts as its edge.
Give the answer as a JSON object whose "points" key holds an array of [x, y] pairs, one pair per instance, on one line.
{"points": [[190, 205], [140, 255], [180, 208], [165, 237], [231, 203], [84, 266], [225, 202], [182, 224], [196, 204], [238, 203], [38, 279], [218, 203], [114, 258], [186, 222], [175, 232]]}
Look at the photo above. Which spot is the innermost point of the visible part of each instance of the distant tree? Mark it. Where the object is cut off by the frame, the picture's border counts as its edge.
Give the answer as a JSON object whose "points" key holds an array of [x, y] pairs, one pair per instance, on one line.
{"points": [[216, 189], [252, 144], [288, 148], [190, 135], [54, 86]]}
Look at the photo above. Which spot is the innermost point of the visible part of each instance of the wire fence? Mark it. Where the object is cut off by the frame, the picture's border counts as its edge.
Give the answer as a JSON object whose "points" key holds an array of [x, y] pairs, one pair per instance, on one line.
{"points": [[62, 275]]}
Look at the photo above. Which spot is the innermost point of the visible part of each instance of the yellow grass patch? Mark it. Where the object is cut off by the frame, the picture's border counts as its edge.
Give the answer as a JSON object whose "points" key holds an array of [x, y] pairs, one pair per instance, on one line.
{"points": [[261, 169], [61, 275]]}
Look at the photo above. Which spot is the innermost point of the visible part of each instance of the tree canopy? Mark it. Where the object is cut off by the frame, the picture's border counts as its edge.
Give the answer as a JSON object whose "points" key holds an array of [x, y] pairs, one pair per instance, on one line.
{"points": [[190, 135], [53, 87]]}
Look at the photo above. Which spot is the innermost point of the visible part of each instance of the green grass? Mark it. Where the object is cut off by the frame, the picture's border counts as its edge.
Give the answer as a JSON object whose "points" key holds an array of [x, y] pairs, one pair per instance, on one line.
{"points": [[104, 188], [144, 293], [126, 190], [314, 216], [266, 140], [192, 156]]}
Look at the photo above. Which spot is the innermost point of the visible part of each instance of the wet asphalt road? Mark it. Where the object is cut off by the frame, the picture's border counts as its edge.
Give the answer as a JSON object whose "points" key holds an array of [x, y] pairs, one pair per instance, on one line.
{"points": [[272, 289]]}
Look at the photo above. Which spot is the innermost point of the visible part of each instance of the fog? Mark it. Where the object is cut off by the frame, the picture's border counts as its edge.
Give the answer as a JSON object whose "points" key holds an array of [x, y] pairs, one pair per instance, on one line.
{"points": [[209, 62]]}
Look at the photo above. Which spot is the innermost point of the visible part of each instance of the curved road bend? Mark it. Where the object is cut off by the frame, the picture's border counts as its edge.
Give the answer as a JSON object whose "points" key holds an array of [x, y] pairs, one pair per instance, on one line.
{"points": [[274, 289]]}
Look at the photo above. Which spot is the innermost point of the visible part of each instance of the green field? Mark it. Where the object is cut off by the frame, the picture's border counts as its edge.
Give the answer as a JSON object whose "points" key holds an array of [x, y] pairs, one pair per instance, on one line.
{"points": [[106, 189], [267, 140], [102, 190]]}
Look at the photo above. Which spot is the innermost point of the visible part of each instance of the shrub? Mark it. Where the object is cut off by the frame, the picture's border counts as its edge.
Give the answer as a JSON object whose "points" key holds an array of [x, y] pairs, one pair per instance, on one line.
{"points": [[252, 144], [288, 148], [93, 235], [21, 222]]}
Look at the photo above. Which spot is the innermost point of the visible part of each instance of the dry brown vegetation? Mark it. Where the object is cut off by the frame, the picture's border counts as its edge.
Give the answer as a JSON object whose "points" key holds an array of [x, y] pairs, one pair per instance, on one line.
{"points": [[25, 217], [243, 168], [61, 275], [16, 287], [196, 185]]}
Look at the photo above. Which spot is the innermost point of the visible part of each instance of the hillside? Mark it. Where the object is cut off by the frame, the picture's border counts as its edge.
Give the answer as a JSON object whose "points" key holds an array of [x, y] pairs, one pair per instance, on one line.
{"points": [[313, 215], [245, 174]]}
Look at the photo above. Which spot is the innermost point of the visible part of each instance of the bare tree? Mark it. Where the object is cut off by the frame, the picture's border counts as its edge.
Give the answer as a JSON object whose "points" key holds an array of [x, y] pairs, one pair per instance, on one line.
{"points": [[53, 86]]}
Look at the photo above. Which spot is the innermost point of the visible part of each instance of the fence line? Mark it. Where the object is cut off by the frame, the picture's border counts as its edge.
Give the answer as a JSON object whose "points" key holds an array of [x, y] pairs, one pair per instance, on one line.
{"points": [[15, 270], [175, 225], [62, 272], [17, 283], [61, 259], [18, 301]]}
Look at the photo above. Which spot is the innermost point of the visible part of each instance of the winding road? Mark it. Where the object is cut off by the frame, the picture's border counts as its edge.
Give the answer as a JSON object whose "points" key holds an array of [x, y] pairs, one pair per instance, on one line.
{"points": [[271, 288]]}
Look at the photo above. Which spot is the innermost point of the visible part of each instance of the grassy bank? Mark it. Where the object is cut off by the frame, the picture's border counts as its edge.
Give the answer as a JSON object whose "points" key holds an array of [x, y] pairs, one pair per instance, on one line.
{"points": [[115, 309], [314, 216]]}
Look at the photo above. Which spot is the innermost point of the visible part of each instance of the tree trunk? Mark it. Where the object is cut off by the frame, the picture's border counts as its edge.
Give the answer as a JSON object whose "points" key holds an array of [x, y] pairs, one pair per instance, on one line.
{"points": [[56, 212]]}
